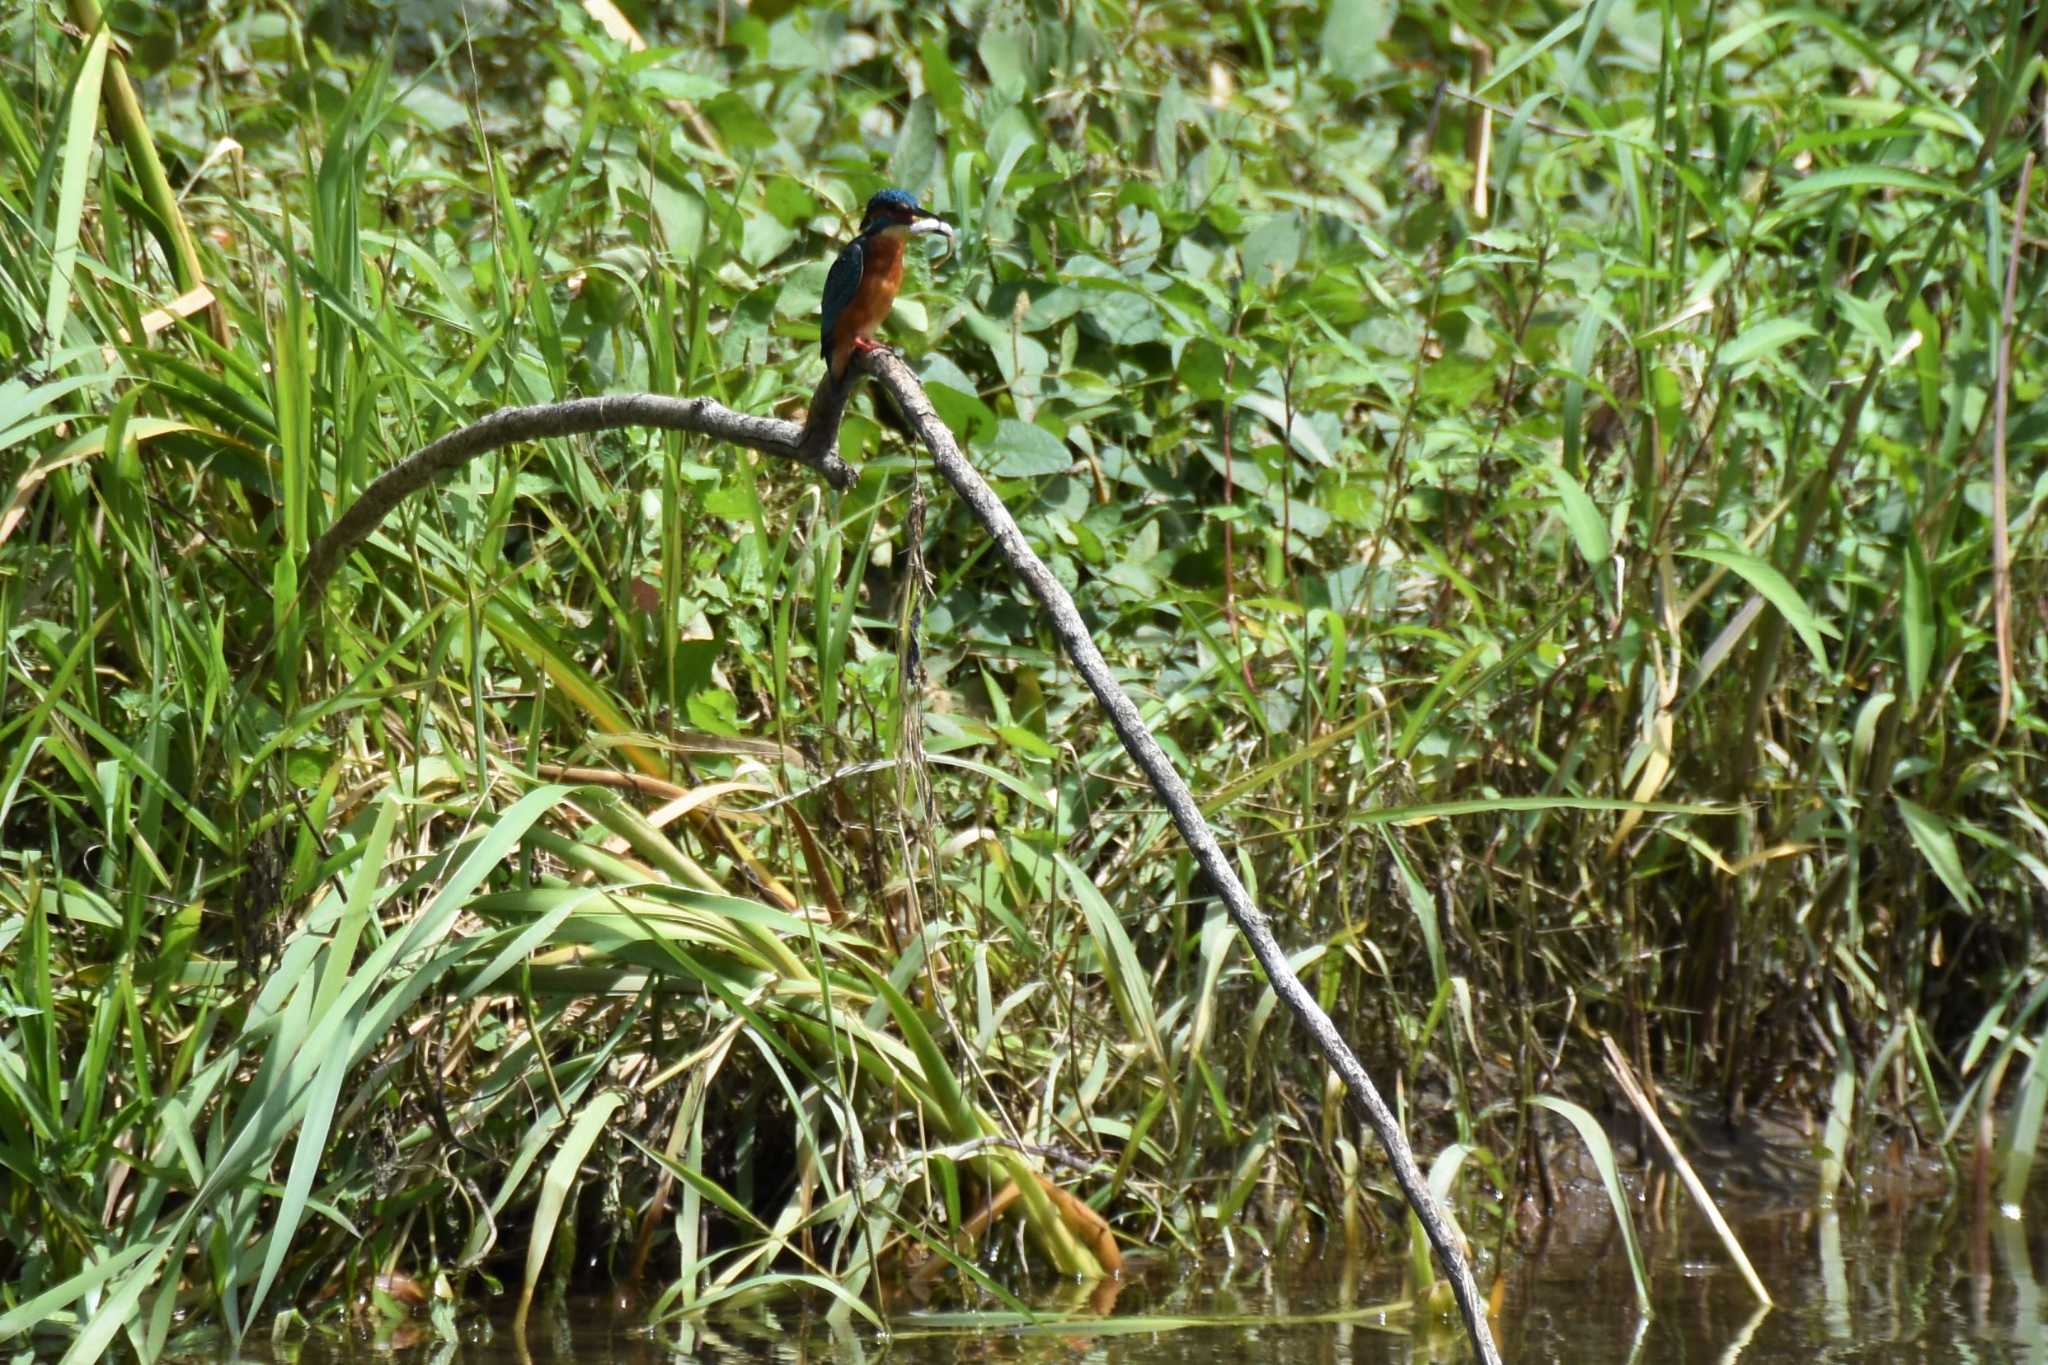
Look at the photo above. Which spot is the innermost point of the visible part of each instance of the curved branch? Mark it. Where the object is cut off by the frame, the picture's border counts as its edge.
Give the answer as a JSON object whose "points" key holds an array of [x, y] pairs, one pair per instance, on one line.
{"points": [[1080, 646], [578, 416]]}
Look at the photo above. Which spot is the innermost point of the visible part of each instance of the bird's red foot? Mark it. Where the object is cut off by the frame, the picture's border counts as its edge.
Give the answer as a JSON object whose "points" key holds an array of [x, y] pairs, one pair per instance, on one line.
{"points": [[870, 344]]}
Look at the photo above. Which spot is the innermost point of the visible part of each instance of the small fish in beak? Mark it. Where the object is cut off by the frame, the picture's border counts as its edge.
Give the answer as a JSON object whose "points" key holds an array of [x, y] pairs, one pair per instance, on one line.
{"points": [[936, 226]]}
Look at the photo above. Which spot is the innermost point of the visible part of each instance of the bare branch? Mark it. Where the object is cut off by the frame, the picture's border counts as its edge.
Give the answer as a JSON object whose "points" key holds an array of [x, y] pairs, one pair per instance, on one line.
{"points": [[1138, 742], [578, 416]]}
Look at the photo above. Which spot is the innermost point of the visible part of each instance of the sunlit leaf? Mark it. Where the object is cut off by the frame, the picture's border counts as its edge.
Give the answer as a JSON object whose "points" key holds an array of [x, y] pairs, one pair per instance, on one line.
{"points": [[1779, 592], [1866, 177], [1597, 1147], [1583, 516], [82, 124], [1764, 338]]}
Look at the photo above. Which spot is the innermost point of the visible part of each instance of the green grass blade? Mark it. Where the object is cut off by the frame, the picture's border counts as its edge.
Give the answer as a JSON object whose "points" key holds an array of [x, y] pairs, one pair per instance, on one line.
{"points": [[1129, 986], [561, 1176], [80, 131], [1595, 1137], [2023, 1131]]}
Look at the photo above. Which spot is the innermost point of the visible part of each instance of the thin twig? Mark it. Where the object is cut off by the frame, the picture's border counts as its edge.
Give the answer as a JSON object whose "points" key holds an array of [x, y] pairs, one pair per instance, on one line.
{"points": [[1490, 107], [1625, 1076], [1080, 646], [2001, 546]]}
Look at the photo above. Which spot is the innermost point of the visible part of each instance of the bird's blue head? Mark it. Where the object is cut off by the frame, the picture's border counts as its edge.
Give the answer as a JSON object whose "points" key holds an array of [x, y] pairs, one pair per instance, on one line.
{"points": [[899, 209], [890, 207]]}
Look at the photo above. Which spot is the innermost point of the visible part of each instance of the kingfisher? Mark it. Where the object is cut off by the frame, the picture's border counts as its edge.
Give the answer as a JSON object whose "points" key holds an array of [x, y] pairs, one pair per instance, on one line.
{"points": [[863, 281]]}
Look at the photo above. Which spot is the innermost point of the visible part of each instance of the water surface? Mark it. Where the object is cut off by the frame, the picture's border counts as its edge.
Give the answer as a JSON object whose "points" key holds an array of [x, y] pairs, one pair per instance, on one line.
{"points": [[1901, 1280]]}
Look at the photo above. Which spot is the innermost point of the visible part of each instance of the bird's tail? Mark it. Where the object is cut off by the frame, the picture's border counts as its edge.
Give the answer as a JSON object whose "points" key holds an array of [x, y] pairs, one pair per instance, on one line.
{"points": [[820, 437]]}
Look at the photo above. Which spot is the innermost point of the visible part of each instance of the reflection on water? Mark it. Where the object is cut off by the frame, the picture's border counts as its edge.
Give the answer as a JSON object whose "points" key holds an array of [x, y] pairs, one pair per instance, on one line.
{"points": [[1902, 1281], [1893, 1281]]}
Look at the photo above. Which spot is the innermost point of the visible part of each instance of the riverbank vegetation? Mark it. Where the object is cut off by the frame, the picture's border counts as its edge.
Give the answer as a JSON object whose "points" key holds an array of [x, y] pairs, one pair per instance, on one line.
{"points": [[1565, 485]]}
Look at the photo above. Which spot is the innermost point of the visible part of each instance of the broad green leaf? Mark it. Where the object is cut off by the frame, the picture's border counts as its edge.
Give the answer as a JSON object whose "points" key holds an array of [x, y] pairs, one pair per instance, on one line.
{"points": [[1301, 432], [1588, 526], [679, 212], [1937, 844], [1764, 338], [1867, 316], [1352, 32], [956, 399], [1022, 450], [1004, 56], [941, 81], [1780, 593], [739, 122], [916, 159], [668, 83], [1271, 249]]}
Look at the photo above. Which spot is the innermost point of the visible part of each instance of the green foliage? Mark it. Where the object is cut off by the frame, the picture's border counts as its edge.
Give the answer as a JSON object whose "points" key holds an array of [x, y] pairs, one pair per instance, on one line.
{"points": [[1579, 610]]}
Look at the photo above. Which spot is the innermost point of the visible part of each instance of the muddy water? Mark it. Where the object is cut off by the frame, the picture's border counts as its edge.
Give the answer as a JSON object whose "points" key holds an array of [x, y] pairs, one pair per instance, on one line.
{"points": [[1897, 1281]]}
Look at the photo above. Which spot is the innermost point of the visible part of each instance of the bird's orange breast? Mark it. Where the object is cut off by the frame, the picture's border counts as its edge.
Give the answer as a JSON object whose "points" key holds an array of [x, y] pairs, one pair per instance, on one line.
{"points": [[880, 277]]}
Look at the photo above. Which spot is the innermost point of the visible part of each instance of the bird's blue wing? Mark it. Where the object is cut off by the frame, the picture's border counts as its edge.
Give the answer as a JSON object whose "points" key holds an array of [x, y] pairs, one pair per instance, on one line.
{"points": [[840, 286]]}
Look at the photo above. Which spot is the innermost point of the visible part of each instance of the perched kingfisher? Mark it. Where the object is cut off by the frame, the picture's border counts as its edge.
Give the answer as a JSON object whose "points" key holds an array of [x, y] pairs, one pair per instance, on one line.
{"points": [[864, 280]]}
